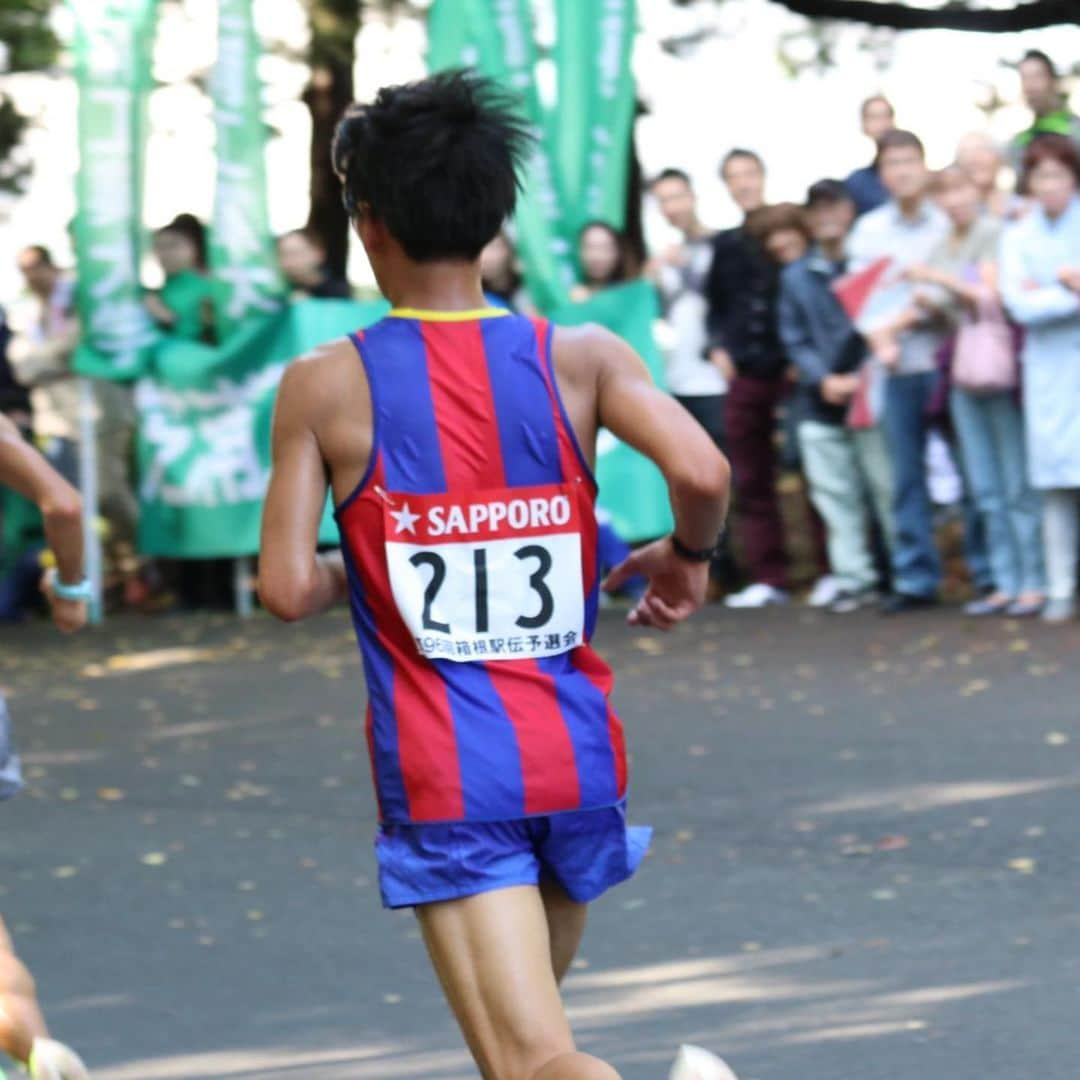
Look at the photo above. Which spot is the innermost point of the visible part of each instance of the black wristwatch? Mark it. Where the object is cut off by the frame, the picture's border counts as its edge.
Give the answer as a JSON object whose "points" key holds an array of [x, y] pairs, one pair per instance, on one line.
{"points": [[699, 555]]}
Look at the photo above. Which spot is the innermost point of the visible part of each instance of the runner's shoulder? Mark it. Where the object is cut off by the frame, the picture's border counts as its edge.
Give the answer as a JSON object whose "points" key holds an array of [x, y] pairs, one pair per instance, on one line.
{"points": [[324, 377], [590, 351]]}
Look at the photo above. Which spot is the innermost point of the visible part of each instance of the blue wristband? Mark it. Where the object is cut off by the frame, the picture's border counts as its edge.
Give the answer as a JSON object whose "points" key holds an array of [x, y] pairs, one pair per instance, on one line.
{"points": [[81, 593]]}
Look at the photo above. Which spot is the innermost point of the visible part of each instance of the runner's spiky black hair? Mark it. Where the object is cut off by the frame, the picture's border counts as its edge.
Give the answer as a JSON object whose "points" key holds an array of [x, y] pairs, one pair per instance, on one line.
{"points": [[436, 161]]}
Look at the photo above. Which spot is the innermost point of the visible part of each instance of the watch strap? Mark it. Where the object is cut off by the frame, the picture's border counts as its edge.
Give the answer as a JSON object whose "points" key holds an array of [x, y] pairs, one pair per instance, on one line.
{"points": [[700, 555]]}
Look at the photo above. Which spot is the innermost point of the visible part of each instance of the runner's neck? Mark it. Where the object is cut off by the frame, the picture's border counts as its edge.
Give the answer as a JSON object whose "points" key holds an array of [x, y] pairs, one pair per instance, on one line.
{"points": [[437, 287]]}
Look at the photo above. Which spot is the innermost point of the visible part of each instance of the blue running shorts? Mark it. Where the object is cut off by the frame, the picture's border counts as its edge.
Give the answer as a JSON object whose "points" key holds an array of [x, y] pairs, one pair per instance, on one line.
{"points": [[10, 775], [584, 851]]}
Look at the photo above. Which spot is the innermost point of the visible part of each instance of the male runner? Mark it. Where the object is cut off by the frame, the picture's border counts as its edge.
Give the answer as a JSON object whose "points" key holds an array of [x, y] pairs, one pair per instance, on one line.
{"points": [[458, 441], [23, 1034]]}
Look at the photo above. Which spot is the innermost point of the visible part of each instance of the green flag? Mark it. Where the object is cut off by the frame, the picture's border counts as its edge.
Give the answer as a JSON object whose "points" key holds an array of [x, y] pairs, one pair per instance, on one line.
{"points": [[112, 49], [632, 489], [242, 254], [595, 109], [496, 37], [204, 429]]}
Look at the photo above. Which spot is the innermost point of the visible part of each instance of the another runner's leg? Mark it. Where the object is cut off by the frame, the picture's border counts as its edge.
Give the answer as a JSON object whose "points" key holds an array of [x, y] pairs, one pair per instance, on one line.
{"points": [[566, 924], [21, 1021], [492, 954]]}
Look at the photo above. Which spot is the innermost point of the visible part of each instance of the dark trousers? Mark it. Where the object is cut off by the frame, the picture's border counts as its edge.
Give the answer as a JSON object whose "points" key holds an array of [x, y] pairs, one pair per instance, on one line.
{"points": [[709, 411], [750, 416]]}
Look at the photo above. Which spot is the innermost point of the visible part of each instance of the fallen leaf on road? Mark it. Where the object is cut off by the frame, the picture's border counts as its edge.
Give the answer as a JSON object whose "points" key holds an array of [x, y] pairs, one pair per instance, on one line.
{"points": [[1022, 865], [893, 843]]}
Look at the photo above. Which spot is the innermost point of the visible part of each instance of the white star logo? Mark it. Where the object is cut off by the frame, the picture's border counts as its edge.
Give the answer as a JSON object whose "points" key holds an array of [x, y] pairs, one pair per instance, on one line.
{"points": [[405, 520]]}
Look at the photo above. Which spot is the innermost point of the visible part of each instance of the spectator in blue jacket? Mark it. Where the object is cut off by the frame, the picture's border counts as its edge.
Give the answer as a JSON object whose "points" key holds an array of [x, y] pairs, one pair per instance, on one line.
{"points": [[843, 466], [864, 185]]}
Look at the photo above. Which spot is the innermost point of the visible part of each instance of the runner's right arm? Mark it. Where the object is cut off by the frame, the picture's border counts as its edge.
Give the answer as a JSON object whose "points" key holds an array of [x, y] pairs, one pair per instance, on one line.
{"points": [[25, 470]]}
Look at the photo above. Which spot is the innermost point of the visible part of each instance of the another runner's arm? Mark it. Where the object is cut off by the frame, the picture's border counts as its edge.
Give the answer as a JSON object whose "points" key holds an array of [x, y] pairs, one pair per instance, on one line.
{"points": [[25, 470], [295, 581]]}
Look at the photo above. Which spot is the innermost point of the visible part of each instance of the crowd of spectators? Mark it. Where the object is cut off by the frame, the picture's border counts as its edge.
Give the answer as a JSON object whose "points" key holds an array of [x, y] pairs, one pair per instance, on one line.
{"points": [[906, 339]]}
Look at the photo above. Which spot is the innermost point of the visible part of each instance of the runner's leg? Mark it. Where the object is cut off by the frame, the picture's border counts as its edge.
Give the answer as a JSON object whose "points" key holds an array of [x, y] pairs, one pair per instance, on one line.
{"points": [[566, 924], [492, 954], [21, 1021]]}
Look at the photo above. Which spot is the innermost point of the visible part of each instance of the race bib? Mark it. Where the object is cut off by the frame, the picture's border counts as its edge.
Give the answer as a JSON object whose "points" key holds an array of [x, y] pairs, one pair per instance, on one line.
{"points": [[492, 575]]}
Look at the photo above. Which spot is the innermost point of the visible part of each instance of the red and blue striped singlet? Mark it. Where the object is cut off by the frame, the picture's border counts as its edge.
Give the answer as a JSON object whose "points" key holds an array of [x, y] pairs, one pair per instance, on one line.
{"points": [[470, 546]]}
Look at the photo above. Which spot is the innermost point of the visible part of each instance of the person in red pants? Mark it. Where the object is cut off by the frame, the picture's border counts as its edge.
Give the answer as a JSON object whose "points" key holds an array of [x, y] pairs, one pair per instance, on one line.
{"points": [[741, 291]]}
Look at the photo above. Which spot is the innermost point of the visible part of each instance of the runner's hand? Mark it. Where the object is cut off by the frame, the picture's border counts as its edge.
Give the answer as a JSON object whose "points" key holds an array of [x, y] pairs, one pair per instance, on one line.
{"points": [[676, 589], [51, 1060], [67, 615]]}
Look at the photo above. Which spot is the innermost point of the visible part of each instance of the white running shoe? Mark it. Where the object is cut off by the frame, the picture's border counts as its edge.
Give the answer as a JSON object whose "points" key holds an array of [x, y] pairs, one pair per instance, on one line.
{"points": [[51, 1060], [826, 591], [758, 595], [693, 1063]]}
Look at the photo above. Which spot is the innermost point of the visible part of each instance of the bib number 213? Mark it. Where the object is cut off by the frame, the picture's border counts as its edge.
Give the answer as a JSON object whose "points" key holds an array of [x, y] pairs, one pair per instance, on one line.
{"points": [[503, 599], [482, 619]]}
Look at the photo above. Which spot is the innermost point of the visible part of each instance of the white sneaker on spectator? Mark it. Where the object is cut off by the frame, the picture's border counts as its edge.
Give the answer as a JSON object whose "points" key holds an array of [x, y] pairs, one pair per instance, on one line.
{"points": [[1059, 609], [693, 1063], [826, 591], [758, 595], [851, 600]]}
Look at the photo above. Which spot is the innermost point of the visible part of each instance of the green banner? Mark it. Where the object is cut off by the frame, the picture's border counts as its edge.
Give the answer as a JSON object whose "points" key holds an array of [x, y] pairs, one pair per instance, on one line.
{"points": [[242, 254], [112, 49], [596, 99], [21, 529], [632, 489], [204, 418], [496, 37]]}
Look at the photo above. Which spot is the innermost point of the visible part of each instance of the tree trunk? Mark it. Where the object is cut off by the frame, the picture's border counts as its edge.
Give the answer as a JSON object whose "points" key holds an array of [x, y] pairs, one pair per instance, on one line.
{"points": [[634, 226], [332, 54]]}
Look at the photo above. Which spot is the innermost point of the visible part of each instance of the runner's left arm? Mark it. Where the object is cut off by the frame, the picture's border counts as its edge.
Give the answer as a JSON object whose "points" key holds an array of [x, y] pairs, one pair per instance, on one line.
{"points": [[698, 477], [294, 581]]}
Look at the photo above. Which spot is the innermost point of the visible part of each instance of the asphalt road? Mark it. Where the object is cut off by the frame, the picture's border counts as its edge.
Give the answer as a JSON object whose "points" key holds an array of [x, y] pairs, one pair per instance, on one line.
{"points": [[864, 867]]}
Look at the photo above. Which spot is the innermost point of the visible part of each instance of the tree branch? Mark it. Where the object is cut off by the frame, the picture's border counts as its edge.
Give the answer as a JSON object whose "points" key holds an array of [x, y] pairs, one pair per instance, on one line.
{"points": [[1029, 16]]}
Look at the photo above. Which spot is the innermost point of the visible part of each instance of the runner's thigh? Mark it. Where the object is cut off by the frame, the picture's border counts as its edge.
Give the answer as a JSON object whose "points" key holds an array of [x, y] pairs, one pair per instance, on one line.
{"points": [[492, 955]]}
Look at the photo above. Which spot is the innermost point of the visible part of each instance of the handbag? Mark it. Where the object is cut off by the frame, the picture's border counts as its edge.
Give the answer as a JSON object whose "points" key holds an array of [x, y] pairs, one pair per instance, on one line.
{"points": [[985, 354]]}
